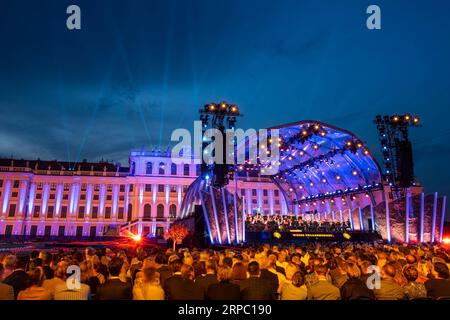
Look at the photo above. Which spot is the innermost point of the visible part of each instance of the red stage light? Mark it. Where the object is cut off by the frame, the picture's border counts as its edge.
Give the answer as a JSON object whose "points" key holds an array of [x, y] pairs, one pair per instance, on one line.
{"points": [[446, 240]]}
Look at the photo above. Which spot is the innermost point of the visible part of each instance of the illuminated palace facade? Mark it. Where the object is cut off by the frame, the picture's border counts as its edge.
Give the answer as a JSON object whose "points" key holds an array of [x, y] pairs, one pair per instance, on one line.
{"points": [[52, 198]]}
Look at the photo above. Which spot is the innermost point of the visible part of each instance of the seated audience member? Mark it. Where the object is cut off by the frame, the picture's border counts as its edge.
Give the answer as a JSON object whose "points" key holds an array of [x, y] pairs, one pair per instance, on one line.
{"points": [[354, 288], [182, 286], [162, 268], [72, 288], [6, 291], [339, 273], [35, 291], [238, 273], [255, 287], [59, 278], [295, 288], [204, 281], [265, 273], [8, 263], [413, 289], [322, 289], [224, 289], [440, 285], [18, 279], [389, 290], [114, 288], [149, 287]]}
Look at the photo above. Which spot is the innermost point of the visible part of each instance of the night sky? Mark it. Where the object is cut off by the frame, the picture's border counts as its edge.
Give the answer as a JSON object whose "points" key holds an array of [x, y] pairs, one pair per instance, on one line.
{"points": [[139, 69]]}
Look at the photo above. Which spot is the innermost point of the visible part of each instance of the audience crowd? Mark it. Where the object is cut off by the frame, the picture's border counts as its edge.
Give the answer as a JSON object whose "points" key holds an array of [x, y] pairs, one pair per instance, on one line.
{"points": [[273, 223], [310, 272]]}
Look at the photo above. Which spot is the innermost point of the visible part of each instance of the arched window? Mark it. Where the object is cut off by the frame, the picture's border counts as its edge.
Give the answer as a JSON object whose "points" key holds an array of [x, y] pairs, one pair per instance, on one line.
{"points": [[173, 211], [147, 211], [186, 169], [160, 211], [149, 168], [173, 169], [161, 168]]}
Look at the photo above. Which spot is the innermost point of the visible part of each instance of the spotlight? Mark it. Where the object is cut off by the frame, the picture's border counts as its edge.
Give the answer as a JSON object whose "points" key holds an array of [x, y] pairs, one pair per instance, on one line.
{"points": [[446, 241], [304, 133], [349, 143], [416, 120], [223, 105], [315, 147], [235, 109], [395, 118], [338, 177], [354, 172], [359, 145], [302, 153], [322, 133], [366, 152], [212, 107], [407, 117]]}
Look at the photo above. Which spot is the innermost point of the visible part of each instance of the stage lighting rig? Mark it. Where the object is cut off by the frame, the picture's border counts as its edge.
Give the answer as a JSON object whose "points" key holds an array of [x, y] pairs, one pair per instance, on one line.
{"points": [[396, 148], [219, 116]]}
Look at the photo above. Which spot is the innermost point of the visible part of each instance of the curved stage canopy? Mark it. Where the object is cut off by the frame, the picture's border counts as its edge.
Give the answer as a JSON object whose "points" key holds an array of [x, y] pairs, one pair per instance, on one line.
{"points": [[318, 160]]}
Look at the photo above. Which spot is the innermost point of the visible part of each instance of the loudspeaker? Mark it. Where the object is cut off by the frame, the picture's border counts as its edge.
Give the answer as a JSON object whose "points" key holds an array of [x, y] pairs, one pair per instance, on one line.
{"points": [[405, 166]]}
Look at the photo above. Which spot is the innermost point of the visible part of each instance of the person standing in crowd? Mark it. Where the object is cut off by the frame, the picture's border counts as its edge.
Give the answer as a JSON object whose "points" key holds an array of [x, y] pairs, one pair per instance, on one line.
{"points": [[148, 287], [224, 289], [114, 288], [440, 285], [35, 291], [389, 289], [162, 268]]}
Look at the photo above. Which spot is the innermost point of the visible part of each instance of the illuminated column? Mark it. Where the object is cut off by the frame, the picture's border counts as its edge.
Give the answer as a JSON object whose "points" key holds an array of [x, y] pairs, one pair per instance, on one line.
{"points": [[167, 190], [155, 190], [350, 218], [361, 219], [296, 210], [260, 202], [225, 212], [206, 216], [115, 200], [283, 206], [332, 216], [249, 201], [373, 217], [271, 201], [213, 201], [341, 218], [45, 199], [127, 198], [6, 195], [422, 215], [74, 198], [59, 194], [433, 224], [179, 188], [89, 194], [388, 219], [101, 208], [441, 233], [23, 196], [407, 217]]}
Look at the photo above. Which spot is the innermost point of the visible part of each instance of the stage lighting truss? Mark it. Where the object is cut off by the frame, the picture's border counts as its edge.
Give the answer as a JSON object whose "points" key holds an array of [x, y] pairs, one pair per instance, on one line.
{"points": [[392, 130], [352, 193]]}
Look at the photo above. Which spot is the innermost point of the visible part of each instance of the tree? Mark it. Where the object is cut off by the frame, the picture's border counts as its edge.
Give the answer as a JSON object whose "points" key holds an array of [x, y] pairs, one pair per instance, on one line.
{"points": [[177, 233]]}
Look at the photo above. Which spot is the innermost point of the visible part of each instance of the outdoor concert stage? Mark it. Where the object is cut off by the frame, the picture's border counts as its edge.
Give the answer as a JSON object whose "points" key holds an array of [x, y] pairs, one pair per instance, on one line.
{"points": [[298, 236], [331, 172]]}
